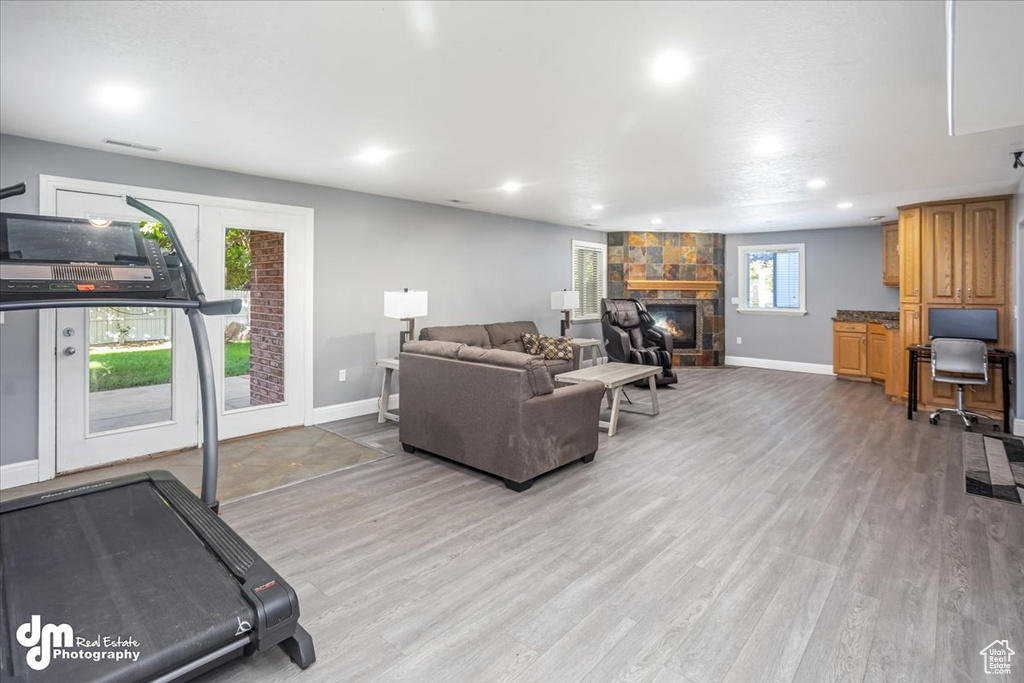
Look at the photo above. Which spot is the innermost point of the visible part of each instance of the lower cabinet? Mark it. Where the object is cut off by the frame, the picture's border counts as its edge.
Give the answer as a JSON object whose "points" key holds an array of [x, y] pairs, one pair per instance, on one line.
{"points": [[850, 349], [878, 352]]}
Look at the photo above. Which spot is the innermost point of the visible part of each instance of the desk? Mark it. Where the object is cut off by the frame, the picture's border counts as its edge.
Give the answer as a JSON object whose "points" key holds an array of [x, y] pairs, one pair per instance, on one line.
{"points": [[390, 366], [1002, 358]]}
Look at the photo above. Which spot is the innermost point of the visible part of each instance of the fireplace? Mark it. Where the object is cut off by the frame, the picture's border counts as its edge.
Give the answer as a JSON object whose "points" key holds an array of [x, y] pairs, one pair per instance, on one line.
{"points": [[679, 319]]}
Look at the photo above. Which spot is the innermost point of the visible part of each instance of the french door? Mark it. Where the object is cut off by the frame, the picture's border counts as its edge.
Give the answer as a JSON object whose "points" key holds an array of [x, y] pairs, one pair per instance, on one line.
{"points": [[125, 381], [259, 355]]}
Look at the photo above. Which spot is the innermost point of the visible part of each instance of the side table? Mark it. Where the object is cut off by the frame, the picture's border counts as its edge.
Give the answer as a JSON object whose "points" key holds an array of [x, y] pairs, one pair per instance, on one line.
{"points": [[594, 345], [390, 366]]}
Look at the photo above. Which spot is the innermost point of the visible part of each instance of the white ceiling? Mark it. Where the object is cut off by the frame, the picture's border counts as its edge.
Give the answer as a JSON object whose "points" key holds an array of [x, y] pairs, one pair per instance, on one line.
{"points": [[554, 95]]}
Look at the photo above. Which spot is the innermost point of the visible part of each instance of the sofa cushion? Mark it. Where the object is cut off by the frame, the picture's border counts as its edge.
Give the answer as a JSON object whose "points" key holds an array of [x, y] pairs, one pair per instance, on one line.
{"points": [[474, 335], [509, 336], [444, 349], [536, 371]]}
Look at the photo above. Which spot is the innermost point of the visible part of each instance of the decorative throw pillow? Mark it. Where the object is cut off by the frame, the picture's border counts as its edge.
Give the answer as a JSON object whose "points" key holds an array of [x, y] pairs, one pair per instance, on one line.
{"points": [[532, 343], [556, 348]]}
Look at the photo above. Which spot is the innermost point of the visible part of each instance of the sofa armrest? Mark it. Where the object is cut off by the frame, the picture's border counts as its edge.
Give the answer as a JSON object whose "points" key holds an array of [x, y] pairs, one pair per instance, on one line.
{"points": [[565, 422]]}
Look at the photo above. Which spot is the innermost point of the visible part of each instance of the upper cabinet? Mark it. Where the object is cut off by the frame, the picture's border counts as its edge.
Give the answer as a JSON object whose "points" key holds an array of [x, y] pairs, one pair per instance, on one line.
{"points": [[910, 255], [942, 254], [984, 260], [891, 254], [964, 253]]}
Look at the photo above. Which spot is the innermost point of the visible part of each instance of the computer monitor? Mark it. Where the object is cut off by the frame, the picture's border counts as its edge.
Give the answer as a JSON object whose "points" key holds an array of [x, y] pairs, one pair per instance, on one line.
{"points": [[964, 323]]}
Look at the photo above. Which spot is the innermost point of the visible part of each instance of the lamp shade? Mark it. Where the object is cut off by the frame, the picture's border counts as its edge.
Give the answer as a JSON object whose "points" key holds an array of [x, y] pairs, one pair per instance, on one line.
{"points": [[405, 304], [565, 300]]}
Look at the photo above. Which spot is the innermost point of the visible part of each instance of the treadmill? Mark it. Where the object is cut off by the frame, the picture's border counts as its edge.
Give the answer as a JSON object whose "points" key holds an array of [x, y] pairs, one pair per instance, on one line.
{"points": [[129, 578]]}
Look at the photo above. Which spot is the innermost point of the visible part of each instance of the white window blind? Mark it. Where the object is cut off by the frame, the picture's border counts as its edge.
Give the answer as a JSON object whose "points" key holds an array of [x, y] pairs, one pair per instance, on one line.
{"points": [[771, 279], [589, 273]]}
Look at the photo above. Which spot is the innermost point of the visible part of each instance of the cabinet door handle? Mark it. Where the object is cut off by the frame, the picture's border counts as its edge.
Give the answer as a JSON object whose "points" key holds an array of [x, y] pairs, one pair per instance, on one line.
{"points": [[958, 294], [970, 295]]}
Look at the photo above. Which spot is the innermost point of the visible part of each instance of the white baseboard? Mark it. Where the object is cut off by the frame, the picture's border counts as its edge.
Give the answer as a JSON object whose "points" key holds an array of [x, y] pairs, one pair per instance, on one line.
{"points": [[19, 474], [343, 411], [787, 365], [1018, 427]]}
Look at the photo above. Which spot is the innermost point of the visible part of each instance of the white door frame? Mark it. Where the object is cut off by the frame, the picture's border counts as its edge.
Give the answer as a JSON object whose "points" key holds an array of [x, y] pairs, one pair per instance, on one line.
{"points": [[48, 187]]}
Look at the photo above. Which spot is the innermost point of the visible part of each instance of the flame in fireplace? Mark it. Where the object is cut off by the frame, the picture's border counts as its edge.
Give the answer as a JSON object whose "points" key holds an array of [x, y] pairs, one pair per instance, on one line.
{"points": [[670, 325]]}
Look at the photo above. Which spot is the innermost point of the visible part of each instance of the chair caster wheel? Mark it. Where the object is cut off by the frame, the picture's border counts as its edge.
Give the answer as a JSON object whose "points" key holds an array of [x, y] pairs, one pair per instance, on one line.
{"points": [[933, 420]]}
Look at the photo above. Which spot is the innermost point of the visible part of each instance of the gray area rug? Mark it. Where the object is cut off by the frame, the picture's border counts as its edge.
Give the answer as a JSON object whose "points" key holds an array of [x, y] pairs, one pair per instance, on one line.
{"points": [[994, 467]]}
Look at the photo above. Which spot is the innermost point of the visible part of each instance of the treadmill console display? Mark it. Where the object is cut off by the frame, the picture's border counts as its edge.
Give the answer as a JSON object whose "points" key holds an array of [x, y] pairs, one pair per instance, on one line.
{"points": [[44, 257]]}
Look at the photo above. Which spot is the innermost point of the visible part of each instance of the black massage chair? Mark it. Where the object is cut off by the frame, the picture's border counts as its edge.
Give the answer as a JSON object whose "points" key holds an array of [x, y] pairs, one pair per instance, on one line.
{"points": [[630, 336]]}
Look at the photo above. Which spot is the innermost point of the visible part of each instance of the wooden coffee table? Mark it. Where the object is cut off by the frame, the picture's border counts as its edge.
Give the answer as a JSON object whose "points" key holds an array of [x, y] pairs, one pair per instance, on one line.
{"points": [[614, 376]]}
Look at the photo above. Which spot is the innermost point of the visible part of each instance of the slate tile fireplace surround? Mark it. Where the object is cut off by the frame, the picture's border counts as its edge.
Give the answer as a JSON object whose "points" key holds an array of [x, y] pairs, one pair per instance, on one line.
{"points": [[678, 276]]}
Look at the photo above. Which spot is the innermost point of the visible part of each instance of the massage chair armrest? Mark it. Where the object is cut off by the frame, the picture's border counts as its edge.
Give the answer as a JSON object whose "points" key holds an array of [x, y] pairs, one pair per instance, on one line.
{"points": [[616, 342], [662, 339]]}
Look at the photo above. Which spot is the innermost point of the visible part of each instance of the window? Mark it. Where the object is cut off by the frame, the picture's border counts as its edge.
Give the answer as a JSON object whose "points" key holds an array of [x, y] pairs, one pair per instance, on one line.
{"points": [[589, 268], [772, 279]]}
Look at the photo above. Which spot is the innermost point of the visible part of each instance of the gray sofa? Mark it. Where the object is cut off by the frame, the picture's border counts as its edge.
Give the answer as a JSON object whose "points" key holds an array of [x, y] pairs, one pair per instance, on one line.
{"points": [[494, 410], [503, 336]]}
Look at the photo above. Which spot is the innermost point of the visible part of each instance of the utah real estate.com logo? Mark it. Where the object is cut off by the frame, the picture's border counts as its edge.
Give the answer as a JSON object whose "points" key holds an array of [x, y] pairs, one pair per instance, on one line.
{"points": [[997, 657], [47, 642]]}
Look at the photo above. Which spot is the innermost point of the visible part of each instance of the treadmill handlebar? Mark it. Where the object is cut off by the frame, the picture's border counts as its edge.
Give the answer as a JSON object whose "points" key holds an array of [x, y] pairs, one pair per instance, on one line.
{"points": [[220, 306], [192, 282], [12, 191]]}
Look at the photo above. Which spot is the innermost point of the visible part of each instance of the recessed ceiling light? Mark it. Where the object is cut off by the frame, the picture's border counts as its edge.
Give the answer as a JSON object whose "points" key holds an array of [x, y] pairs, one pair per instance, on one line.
{"points": [[598, 207], [373, 155], [844, 205], [512, 186], [655, 221], [670, 68], [768, 146], [816, 184], [119, 97]]}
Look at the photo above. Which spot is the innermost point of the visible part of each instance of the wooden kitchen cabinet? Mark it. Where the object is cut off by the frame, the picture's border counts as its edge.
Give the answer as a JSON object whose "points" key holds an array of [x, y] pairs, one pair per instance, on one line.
{"points": [[849, 349], [891, 254], [942, 254], [984, 253], [878, 352], [909, 239]]}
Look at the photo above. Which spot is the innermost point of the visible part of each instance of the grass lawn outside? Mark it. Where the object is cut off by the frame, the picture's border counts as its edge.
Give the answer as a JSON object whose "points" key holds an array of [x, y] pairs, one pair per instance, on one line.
{"points": [[144, 366]]}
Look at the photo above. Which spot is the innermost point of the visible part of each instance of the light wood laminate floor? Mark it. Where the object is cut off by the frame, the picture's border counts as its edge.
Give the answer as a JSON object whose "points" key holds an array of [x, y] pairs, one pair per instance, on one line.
{"points": [[767, 526]]}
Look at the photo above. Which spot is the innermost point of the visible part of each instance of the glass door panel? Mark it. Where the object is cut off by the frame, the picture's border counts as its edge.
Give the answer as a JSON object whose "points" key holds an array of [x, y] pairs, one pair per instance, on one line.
{"points": [[254, 343], [130, 363]]}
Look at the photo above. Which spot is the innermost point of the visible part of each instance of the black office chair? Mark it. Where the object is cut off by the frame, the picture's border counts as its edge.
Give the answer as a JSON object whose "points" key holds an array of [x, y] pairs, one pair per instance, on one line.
{"points": [[630, 336], [960, 362]]}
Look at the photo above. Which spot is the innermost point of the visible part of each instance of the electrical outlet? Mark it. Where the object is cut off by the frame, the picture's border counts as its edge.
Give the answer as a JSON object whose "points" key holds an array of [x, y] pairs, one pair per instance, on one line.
{"points": [[739, 340], [341, 375], [736, 301]]}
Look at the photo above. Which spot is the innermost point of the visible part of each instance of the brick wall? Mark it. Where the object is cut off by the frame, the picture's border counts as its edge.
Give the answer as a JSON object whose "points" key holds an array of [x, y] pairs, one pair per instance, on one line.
{"points": [[266, 318]]}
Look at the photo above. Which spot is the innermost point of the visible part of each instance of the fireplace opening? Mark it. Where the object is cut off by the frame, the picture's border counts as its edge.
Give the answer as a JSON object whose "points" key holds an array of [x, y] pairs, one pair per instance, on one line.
{"points": [[680, 320]]}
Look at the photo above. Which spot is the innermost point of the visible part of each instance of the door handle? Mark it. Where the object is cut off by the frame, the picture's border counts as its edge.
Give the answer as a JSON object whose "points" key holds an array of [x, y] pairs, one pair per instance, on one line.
{"points": [[70, 350]]}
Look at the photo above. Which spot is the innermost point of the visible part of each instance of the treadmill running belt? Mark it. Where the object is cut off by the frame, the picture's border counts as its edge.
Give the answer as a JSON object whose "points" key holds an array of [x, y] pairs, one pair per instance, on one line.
{"points": [[117, 563]]}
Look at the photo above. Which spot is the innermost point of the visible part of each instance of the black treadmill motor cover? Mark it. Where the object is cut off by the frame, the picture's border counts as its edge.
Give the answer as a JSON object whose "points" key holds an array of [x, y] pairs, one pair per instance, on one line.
{"points": [[102, 568]]}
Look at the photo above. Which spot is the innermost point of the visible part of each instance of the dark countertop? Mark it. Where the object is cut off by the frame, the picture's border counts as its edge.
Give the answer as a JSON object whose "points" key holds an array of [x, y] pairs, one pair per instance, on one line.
{"points": [[890, 320]]}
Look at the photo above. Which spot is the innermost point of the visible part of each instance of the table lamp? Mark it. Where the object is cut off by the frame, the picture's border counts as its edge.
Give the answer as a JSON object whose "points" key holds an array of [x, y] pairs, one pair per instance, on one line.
{"points": [[565, 301], [407, 306]]}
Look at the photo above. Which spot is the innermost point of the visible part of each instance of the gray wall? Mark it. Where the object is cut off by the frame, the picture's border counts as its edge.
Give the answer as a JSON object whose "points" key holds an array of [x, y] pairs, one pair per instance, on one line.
{"points": [[477, 267], [843, 270]]}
